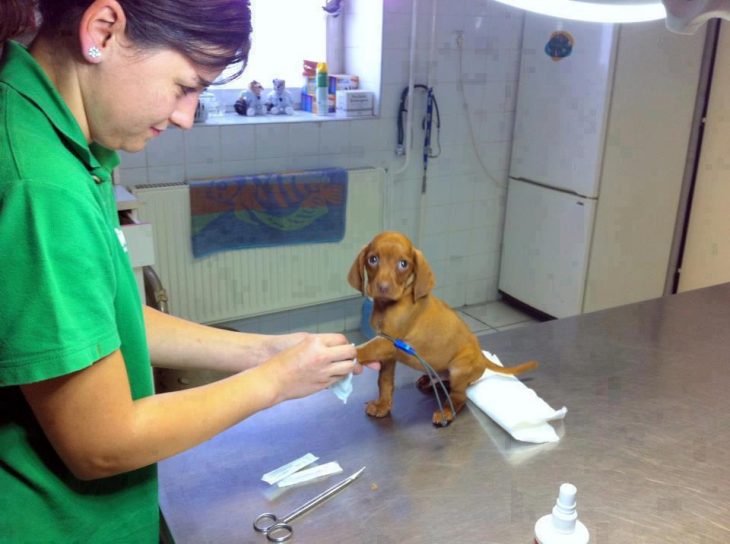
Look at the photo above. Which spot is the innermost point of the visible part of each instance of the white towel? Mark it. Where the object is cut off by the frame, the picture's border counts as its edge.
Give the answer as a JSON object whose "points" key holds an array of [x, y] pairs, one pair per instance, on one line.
{"points": [[514, 406]]}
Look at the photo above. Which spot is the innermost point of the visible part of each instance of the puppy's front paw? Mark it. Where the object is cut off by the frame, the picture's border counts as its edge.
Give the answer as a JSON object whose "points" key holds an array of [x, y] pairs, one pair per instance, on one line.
{"points": [[378, 408], [439, 420]]}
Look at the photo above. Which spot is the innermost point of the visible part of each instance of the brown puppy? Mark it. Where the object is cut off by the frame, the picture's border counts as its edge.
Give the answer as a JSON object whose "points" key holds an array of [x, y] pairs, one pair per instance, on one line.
{"points": [[398, 278]]}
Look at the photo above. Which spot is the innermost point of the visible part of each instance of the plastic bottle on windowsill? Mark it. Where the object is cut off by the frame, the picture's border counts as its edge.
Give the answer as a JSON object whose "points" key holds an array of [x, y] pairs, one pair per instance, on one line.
{"points": [[562, 526], [322, 89]]}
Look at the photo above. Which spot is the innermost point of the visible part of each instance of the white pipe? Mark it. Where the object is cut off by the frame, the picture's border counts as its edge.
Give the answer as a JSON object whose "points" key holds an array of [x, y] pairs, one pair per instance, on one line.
{"points": [[429, 84], [409, 113], [432, 48]]}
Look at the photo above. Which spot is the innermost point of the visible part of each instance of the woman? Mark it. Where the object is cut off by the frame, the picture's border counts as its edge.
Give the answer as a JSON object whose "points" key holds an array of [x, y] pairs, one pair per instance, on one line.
{"points": [[80, 427]]}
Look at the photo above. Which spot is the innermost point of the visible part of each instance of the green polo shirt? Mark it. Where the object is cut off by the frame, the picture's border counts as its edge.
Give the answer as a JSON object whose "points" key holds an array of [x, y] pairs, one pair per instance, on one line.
{"points": [[67, 298]]}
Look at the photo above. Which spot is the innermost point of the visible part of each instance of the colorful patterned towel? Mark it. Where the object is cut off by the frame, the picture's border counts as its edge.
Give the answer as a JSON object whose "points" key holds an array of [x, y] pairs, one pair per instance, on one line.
{"points": [[293, 207]]}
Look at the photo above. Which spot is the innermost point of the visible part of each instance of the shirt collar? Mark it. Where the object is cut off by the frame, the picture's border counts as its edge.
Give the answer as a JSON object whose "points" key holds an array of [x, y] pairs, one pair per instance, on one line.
{"points": [[20, 71]]}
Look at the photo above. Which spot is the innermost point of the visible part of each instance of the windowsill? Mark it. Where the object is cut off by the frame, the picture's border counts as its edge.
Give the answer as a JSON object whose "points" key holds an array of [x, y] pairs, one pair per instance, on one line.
{"points": [[232, 118]]}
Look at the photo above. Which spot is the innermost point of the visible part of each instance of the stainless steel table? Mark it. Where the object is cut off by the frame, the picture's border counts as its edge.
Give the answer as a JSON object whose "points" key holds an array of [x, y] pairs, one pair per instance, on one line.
{"points": [[646, 441]]}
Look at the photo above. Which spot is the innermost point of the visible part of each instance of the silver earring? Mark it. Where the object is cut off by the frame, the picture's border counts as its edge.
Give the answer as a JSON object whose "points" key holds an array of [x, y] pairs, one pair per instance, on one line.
{"points": [[94, 52]]}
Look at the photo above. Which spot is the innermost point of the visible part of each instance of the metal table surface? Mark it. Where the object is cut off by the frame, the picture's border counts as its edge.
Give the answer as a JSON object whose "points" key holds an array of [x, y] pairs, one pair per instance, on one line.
{"points": [[646, 441]]}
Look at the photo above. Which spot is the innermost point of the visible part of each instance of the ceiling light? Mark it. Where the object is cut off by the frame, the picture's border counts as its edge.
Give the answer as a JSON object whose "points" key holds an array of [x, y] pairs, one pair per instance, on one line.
{"points": [[601, 11]]}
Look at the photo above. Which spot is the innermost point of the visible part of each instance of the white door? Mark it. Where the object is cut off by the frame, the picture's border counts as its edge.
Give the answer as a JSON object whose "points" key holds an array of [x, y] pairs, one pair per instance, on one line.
{"points": [[706, 259], [562, 103], [545, 248]]}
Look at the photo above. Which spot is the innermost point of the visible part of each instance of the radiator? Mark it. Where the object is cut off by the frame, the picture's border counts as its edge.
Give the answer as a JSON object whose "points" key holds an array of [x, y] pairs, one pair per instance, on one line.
{"points": [[245, 283]]}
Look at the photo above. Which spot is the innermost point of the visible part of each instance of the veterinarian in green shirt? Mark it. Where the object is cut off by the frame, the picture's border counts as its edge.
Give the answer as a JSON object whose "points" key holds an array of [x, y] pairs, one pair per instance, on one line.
{"points": [[80, 427], [69, 298]]}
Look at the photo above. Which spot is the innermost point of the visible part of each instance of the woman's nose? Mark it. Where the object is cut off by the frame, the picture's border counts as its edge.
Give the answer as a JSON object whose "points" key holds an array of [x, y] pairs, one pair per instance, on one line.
{"points": [[184, 114]]}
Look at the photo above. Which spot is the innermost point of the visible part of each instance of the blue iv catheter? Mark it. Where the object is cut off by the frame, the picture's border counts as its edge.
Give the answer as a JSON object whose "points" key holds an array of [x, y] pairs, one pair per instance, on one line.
{"points": [[430, 372]]}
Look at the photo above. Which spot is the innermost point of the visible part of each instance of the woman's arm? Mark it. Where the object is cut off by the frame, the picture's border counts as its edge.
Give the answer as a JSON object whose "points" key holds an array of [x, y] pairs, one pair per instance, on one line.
{"points": [[99, 430], [180, 344]]}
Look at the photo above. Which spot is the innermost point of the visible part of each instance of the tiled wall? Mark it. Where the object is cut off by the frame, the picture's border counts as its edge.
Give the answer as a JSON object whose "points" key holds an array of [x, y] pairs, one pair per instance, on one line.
{"points": [[464, 205]]}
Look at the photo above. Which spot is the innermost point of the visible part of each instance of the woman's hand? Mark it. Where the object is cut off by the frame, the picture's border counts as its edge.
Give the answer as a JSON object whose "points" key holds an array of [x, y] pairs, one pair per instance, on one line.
{"points": [[312, 364], [280, 342]]}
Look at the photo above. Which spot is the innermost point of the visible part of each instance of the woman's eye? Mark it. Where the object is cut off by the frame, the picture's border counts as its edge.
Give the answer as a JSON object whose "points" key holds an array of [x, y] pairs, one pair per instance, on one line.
{"points": [[373, 260], [402, 264], [185, 90]]}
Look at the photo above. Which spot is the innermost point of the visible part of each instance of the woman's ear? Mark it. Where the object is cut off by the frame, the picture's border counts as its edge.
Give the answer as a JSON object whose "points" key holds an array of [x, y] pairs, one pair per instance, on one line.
{"points": [[102, 23], [424, 276], [356, 276]]}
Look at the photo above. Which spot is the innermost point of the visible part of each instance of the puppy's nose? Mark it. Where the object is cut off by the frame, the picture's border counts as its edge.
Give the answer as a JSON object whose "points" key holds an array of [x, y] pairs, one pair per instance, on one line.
{"points": [[383, 287]]}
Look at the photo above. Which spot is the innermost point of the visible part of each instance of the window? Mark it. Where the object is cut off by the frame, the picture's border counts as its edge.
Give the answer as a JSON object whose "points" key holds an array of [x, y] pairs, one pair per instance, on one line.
{"points": [[285, 32]]}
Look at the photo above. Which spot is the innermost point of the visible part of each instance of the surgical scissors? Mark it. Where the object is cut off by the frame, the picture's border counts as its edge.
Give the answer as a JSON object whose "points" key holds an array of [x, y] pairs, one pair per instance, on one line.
{"points": [[279, 530]]}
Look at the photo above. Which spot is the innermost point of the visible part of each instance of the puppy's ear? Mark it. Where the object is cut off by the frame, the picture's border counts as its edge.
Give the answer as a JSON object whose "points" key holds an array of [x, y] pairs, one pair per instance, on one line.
{"points": [[356, 275], [424, 276]]}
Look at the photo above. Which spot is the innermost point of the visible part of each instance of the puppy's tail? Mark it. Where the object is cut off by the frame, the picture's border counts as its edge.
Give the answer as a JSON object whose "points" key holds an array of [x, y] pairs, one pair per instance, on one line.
{"points": [[511, 370]]}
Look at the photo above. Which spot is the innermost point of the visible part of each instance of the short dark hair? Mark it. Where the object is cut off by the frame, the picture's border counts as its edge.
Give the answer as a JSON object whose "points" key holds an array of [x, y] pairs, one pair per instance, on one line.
{"points": [[212, 33], [16, 17]]}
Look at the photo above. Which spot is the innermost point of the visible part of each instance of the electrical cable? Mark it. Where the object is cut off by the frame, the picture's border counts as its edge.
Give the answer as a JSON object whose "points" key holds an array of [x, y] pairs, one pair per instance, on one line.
{"points": [[430, 372]]}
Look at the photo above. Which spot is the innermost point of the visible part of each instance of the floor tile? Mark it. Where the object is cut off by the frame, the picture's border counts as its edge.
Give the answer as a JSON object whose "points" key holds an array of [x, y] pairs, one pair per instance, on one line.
{"points": [[516, 325], [475, 325], [497, 314]]}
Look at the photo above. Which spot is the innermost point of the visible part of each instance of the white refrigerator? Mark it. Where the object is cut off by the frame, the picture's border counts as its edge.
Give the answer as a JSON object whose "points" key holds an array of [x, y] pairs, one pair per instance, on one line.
{"points": [[595, 103]]}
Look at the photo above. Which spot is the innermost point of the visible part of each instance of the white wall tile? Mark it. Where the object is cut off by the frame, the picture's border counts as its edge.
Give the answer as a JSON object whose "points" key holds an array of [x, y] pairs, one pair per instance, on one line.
{"points": [[436, 220], [167, 149], [166, 174], [267, 166], [132, 176], [439, 190], [304, 138], [436, 247], [334, 138], [477, 291], [479, 265], [133, 160], [238, 143], [237, 168], [460, 216], [202, 170], [272, 141], [203, 145], [365, 135], [490, 61], [299, 161], [458, 244]]}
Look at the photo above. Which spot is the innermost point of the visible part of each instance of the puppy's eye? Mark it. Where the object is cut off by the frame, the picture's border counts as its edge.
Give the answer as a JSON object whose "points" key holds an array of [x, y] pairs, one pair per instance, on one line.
{"points": [[373, 260], [402, 264]]}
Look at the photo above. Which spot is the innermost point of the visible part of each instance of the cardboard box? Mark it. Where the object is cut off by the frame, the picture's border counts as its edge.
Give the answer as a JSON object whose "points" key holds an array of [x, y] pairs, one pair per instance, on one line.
{"points": [[354, 103], [343, 82], [308, 102], [336, 83]]}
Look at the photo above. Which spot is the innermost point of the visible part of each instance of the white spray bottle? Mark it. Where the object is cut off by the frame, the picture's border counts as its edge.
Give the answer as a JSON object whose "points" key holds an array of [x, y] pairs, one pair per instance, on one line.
{"points": [[562, 526]]}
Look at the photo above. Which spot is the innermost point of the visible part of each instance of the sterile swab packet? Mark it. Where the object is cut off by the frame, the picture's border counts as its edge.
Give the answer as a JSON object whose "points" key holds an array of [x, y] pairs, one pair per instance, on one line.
{"points": [[311, 473], [282, 472]]}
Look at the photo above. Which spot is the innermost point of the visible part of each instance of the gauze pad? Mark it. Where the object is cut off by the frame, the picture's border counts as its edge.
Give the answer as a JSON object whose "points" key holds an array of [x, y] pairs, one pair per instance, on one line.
{"points": [[342, 388]]}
